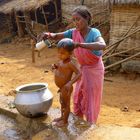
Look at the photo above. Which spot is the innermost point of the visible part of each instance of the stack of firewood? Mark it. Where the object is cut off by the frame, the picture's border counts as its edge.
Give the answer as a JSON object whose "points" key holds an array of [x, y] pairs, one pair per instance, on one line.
{"points": [[111, 51]]}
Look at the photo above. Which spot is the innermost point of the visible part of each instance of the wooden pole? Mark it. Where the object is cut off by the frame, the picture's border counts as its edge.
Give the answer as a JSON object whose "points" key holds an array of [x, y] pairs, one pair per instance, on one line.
{"points": [[56, 10], [36, 16], [82, 2], [116, 45], [120, 52], [112, 45], [121, 61], [33, 42], [126, 33], [27, 19], [46, 22], [20, 30]]}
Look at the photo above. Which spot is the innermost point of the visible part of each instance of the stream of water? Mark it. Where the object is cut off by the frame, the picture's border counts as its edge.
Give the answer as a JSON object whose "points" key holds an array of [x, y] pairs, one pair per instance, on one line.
{"points": [[40, 128], [8, 129]]}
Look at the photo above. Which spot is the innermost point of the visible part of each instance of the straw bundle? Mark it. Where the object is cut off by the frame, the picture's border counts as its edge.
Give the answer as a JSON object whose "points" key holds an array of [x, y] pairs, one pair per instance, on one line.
{"points": [[21, 5]]}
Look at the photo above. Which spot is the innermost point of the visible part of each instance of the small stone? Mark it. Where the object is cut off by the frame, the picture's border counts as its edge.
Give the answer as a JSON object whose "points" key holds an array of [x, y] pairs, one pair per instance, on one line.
{"points": [[125, 109], [11, 105], [46, 71], [11, 93], [138, 110]]}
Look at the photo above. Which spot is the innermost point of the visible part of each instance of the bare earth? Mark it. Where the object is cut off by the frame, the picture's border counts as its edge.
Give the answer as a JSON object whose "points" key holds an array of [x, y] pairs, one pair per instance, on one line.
{"points": [[16, 68]]}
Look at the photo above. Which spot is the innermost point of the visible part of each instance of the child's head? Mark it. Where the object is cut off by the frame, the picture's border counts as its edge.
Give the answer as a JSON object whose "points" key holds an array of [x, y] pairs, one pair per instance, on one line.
{"points": [[67, 44], [65, 48]]}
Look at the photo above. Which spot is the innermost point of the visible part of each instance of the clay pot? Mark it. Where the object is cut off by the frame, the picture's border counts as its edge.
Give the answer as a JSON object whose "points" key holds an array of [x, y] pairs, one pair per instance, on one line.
{"points": [[33, 99]]}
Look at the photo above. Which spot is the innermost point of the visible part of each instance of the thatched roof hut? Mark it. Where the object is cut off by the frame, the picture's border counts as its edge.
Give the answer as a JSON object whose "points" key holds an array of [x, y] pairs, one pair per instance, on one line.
{"points": [[40, 15], [6, 6], [125, 18]]}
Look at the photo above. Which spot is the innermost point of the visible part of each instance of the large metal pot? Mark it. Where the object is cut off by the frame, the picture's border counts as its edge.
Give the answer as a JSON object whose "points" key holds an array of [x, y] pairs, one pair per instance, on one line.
{"points": [[33, 99]]}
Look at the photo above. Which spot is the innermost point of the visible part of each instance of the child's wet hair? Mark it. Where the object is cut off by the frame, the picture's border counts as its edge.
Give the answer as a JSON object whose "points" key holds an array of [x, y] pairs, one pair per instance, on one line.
{"points": [[67, 44]]}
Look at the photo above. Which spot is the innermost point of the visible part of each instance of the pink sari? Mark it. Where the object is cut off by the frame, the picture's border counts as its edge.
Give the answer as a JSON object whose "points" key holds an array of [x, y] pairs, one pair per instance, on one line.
{"points": [[88, 90]]}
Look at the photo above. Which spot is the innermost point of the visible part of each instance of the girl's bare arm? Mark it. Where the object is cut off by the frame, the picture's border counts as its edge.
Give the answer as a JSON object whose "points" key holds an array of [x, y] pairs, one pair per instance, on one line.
{"points": [[54, 36], [99, 44]]}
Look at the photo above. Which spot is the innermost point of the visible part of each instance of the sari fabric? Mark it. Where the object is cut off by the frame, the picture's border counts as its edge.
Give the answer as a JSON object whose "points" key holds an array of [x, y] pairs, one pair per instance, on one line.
{"points": [[88, 90]]}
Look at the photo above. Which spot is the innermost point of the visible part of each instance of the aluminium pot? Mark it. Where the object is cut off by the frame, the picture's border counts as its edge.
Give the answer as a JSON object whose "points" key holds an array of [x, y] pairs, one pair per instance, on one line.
{"points": [[33, 99]]}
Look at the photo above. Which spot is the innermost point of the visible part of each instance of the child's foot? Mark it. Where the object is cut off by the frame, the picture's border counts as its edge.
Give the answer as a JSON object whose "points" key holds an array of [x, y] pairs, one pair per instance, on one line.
{"points": [[57, 119], [60, 123]]}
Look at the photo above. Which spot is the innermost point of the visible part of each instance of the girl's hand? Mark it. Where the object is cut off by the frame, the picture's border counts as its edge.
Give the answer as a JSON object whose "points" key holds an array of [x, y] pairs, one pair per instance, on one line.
{"points": [[46, 35], [50, 35]]}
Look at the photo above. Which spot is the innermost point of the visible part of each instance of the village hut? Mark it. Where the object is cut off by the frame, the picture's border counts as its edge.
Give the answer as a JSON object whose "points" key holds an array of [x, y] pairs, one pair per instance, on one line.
{"points": [[100, 10], [125, 19], [23, 15]]}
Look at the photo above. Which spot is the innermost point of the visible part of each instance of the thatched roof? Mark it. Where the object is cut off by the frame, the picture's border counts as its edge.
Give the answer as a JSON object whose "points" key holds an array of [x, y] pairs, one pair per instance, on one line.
{"points": [[125, 1], [7, 5]]}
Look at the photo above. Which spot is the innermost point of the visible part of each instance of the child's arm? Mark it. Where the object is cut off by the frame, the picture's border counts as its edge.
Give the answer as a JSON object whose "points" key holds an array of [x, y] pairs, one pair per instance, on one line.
{"points": [[77, 72]]}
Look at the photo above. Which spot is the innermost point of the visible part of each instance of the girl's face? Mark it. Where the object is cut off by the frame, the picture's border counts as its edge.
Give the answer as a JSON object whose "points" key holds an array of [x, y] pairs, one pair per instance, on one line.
{"points": [[63, 54], [79, 21]]}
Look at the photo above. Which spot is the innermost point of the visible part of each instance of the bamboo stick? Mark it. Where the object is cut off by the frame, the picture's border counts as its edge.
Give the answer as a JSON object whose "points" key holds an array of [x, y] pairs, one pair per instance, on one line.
{"points": [[131, 26], [56, 10], [33, 50], [46, 22], [112, 45], [100, 13], [21, 16], [36, 16], [121, 61], [126, 55], [116, 45], [33, 36], [82, 2], [108, 80], [20, 30], [27, 19], [126, 33], [103, 23], [23, 21], [120, 52]]}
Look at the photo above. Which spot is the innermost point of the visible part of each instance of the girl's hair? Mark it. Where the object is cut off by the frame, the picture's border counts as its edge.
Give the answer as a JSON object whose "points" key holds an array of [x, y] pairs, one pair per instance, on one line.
{"points": [[67, 44], [84, 12]]}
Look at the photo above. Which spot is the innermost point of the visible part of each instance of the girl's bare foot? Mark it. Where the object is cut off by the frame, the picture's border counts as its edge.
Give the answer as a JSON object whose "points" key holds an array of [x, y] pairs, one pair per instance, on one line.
{"points": [[57, 119], [60, 123]]}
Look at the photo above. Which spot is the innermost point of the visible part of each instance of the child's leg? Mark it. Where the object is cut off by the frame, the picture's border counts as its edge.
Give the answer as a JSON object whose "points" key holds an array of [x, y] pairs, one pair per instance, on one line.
{"points": [[61, 102], [65, 107]]}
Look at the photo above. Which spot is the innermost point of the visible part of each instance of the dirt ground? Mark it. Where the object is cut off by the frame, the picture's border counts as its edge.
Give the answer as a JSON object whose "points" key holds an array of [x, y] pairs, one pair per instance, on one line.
{"points": [[16, 68]]}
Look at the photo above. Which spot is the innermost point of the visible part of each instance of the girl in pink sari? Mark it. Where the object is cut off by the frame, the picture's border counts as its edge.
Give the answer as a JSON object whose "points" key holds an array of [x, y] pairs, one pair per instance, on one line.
{"points": [[88, 51]]}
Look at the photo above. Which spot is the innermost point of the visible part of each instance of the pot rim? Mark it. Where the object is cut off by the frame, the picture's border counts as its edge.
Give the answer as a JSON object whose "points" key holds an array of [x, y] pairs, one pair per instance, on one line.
{"points": [[31, 84]]}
